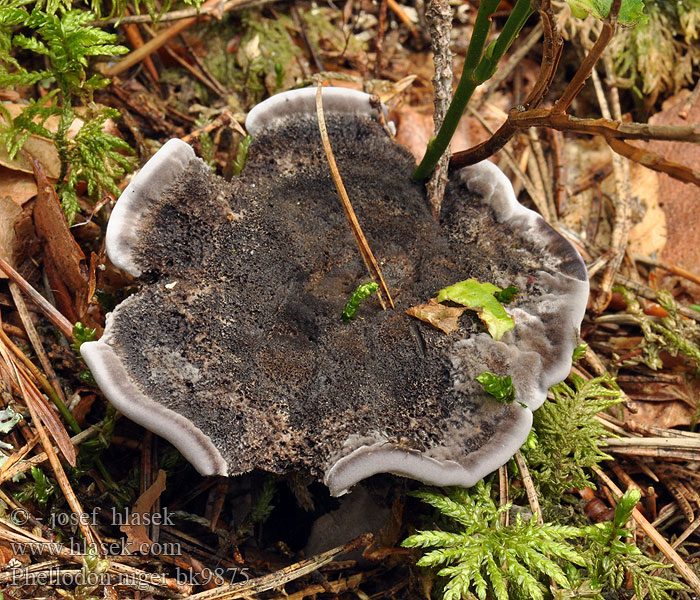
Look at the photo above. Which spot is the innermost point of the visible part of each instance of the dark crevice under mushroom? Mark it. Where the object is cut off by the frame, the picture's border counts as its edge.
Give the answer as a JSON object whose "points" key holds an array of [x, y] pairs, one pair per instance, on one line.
{"points": [[234, 349]]}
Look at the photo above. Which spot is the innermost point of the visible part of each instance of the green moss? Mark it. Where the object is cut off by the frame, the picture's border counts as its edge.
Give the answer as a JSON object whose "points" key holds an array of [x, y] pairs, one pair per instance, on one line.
{"points": [[659, 56]]}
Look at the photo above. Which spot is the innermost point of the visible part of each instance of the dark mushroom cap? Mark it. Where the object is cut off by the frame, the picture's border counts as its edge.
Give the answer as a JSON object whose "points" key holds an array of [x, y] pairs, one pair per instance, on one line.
{"points": [[234, 349]]}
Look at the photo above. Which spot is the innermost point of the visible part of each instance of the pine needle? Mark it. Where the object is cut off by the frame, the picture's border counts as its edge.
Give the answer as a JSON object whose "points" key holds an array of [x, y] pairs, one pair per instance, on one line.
{"points": [[365, 251]]}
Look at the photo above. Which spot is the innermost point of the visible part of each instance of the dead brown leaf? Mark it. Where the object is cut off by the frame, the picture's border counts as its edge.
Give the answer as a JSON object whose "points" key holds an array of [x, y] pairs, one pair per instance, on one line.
{"points": [[40, 148], [678, 200], [135, 529], [438, 315], [9, 213], [64, 261], [17, 185]]}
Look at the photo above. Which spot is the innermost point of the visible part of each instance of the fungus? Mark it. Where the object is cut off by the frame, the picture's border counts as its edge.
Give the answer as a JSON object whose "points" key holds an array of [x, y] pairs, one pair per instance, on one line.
{"points": [[234, 349]]}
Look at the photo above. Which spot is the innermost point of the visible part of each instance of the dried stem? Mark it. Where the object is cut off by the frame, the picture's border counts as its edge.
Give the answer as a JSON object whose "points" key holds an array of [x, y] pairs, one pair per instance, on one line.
{"points": [[246, 589], [623, 220], [529, 487], [362, 244], [439, 18]]}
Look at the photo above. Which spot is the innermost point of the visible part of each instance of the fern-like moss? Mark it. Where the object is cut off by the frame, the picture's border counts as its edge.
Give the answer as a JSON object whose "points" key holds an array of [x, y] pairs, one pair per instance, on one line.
{"points": [[481, 556], [67, 41], [566, 439]]}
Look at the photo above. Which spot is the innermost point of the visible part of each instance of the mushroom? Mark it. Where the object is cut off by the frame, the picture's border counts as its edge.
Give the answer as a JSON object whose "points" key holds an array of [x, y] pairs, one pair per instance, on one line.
{"points": [[234, 349]]}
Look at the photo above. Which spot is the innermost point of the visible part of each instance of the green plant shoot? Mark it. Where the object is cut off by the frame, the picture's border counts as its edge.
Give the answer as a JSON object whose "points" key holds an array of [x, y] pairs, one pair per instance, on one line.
{"points": [[579, 352], [500, 387], [361, 293], [481, 62], [81, 334], [479, 65], [479, 556], [241, 155]]}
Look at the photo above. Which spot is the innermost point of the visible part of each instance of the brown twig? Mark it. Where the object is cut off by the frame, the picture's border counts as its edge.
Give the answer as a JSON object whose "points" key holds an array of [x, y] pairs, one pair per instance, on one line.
{"points": [[553, 47], [667, 267], [623, 221], [528, 115], [529, 487], [133, 34], [403, 17], [363, 245], [176, 15], [203, 67], [503, 492], [54, 387]]}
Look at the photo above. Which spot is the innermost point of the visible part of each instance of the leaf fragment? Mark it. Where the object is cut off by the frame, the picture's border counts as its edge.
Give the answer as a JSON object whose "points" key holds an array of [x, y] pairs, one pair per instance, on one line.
{"points": [[438, 315], [506, 296], [480, 298], [631, 11]]}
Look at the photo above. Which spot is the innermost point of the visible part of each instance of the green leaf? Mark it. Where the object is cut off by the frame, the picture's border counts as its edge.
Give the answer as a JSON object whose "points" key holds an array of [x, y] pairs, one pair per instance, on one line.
{"points": [[479, 297], [631, 11], [506, 296], [500, 387]]}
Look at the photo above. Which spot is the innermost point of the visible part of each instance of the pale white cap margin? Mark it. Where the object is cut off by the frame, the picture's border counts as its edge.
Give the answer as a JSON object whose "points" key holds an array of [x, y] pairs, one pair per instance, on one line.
{"points": [[159, 173], [384, 456], [114, 381], [336, 100]]}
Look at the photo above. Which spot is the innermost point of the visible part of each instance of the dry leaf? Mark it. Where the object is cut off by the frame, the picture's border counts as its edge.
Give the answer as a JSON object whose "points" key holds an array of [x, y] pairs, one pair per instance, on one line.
{"points": [[438, 315], [17, 185], [9, 213], [42, 149], [135, 529], [63, 259], [648, 234], [678, 200]]}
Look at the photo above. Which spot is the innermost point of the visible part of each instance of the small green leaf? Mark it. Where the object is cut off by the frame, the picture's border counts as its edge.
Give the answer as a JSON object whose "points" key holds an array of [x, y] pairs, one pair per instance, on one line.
{"points": [[362, 292], [506, 296], [625, 506], [631, 11], [479, 297], [695, 307], [500, 387]]}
